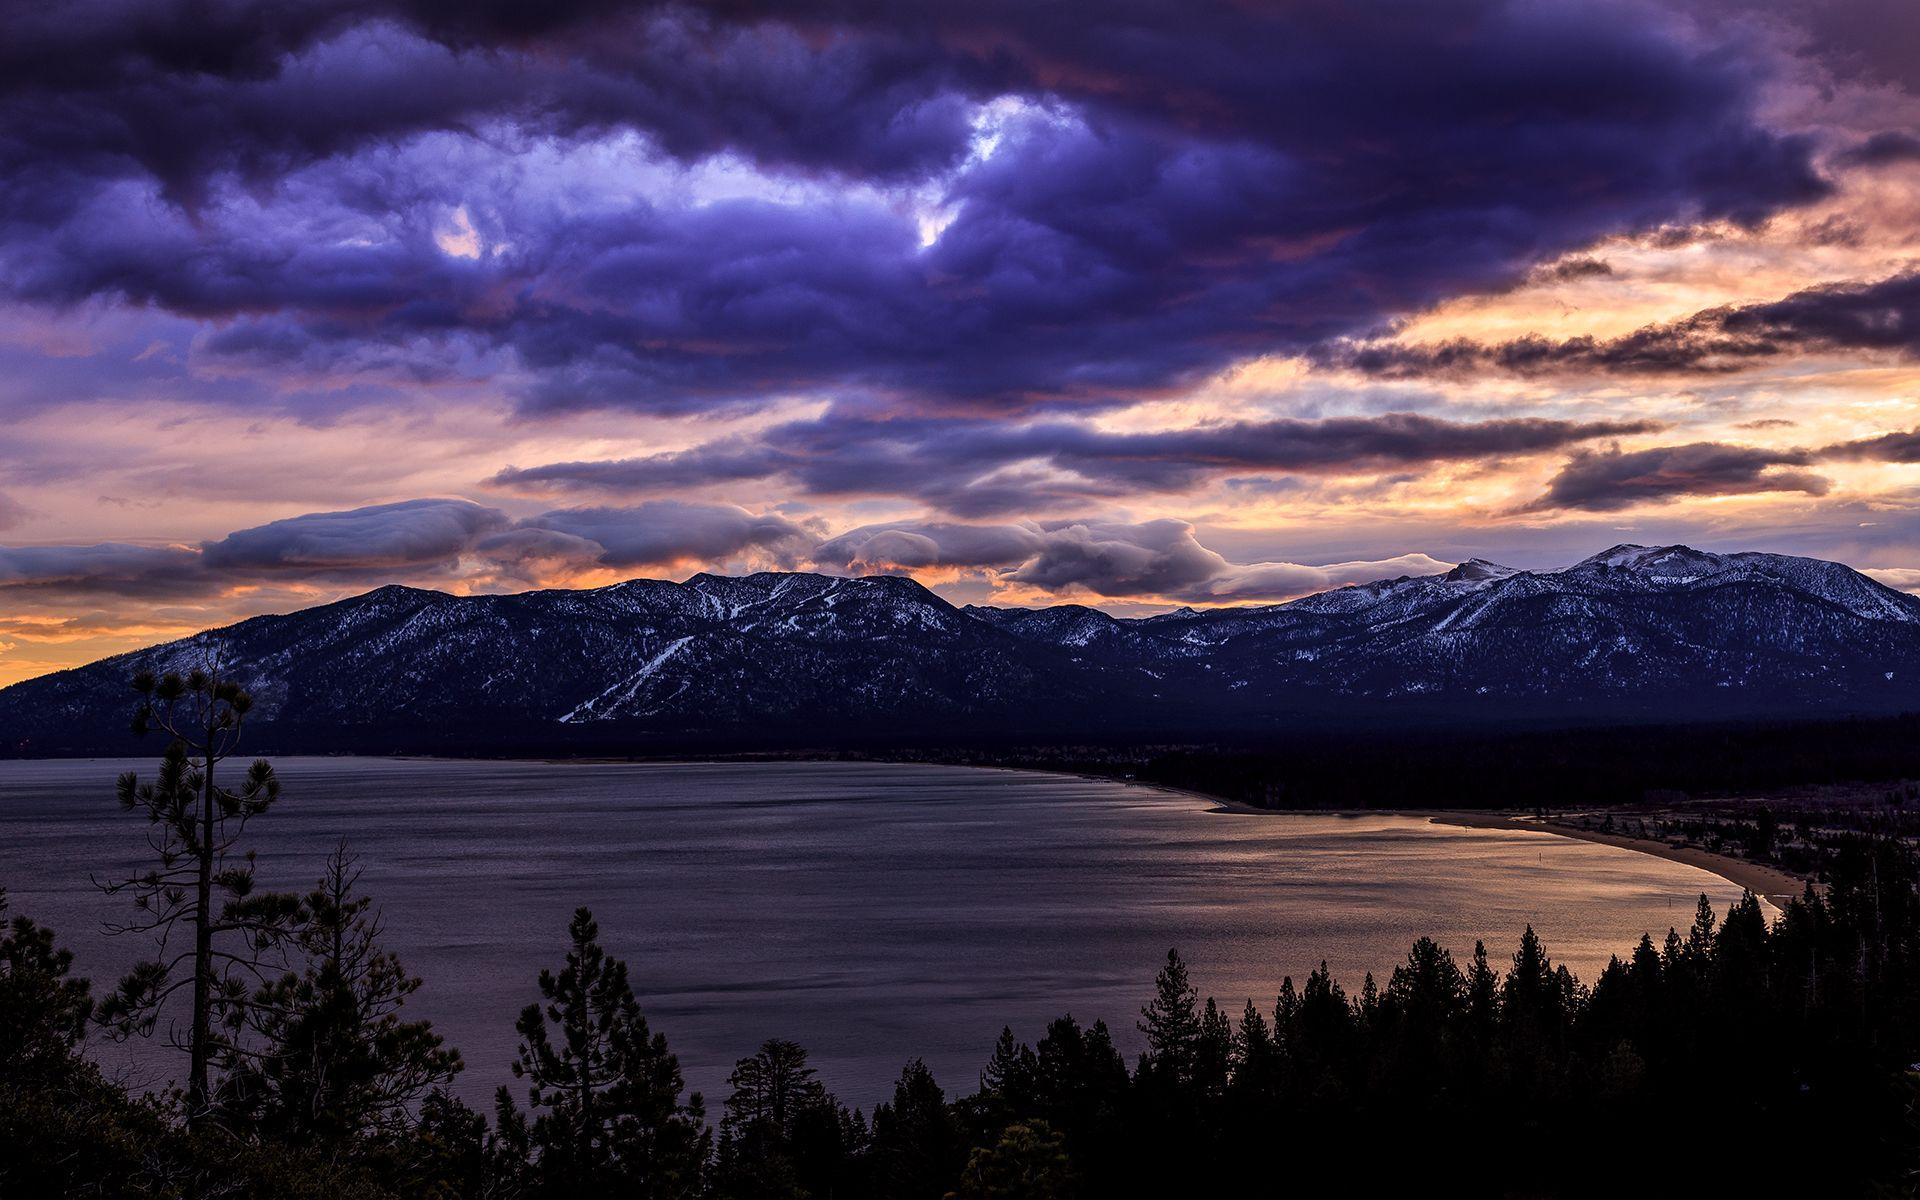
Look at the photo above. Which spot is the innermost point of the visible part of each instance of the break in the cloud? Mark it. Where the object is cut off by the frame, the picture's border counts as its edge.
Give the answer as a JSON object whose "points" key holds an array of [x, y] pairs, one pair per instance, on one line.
{"points": [[977, 468]]}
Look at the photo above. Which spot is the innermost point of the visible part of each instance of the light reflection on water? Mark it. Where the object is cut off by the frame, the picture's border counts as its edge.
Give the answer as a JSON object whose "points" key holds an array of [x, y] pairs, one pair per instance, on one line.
{"points": [[870, 911]]}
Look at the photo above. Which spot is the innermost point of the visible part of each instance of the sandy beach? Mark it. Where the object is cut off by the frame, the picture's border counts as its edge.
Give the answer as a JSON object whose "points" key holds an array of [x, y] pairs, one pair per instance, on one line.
{"points": [[1768, 882]]}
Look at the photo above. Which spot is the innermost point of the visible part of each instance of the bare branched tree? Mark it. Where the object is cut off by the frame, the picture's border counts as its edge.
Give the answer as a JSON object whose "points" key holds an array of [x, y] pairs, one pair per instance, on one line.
{"points": [[213, 933]]}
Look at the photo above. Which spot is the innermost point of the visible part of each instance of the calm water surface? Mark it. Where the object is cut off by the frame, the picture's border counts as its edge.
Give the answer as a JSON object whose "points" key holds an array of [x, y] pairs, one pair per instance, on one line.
{"points": [[871, 912]]}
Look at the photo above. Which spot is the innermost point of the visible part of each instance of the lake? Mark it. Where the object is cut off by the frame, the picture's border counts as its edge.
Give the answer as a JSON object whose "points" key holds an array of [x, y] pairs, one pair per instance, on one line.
{"points": [[872, 912]]}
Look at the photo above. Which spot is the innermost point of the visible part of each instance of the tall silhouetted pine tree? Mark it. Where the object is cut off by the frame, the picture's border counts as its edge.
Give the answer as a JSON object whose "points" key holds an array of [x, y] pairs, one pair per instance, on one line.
{"points": [[917, 1149], [1171, 1021], [605, 1091], [197, 898], [782, 1134]]}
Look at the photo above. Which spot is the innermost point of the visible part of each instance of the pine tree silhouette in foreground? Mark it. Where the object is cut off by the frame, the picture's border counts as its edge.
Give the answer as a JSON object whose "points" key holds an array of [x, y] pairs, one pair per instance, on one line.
{"points": [[781, 1134], [1803, 1029], [335, 1064], [604, 1090], [200, 887]]}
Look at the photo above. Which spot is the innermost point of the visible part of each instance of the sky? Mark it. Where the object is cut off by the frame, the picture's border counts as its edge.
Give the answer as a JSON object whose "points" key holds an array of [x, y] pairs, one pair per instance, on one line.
{"points": [[1130, 304]]}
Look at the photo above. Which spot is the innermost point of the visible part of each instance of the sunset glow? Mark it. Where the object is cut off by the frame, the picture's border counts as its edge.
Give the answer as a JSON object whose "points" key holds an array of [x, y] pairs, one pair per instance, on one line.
{"points": [[1223, 308]]}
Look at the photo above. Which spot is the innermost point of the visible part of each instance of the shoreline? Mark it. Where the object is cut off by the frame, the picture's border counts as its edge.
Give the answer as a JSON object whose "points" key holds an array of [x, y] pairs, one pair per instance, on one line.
{"points": [[1768, 882], [1764, 880]]}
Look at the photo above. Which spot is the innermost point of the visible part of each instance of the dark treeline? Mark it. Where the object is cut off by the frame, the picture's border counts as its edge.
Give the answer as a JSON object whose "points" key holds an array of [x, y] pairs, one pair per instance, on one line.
{"points": [[1731, 1055], [1477, 766], [1401, 756]]}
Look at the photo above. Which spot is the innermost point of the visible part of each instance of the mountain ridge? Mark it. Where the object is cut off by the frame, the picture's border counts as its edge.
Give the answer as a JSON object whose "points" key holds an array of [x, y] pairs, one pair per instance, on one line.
{"points": [[1667, 632]]}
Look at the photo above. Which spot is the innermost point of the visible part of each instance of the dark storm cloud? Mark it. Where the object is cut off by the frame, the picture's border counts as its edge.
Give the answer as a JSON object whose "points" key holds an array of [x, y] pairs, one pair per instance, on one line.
{"points": [[1607, 480], [1186, 185], [1883, 149], [989, 468], [1880, 316]]}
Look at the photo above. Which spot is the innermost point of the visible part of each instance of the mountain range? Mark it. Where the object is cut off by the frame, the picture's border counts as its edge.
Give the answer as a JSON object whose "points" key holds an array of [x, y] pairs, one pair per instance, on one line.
{"points": [[1661, 633]]}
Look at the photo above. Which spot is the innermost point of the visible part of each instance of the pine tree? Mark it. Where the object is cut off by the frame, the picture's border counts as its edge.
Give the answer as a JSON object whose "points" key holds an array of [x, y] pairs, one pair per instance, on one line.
{"points": [[450, 1154], [1081, 1089], [1213, 1052], [1367, 1008], [1286, 1021], [1699, 944], [1427, 990], [1481, 1026], [201, 880], [1529, 995], [1256, 1063], [605, 1090], [1007, 1083], [917, 1151], [771, 1088], [335, 1062], [781, 1133], [65, 1130], [1171, 1021], [43, 1010], [1325, 1017], [1254, 1050]]}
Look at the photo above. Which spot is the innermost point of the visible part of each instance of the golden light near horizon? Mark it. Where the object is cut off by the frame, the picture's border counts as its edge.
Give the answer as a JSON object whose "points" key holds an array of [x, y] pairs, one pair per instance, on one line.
{"points": [[1076, 308]]}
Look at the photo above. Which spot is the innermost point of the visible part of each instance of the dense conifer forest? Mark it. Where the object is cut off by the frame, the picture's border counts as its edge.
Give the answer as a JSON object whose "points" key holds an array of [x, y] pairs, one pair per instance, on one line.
{"points": [[1734, 1055]]}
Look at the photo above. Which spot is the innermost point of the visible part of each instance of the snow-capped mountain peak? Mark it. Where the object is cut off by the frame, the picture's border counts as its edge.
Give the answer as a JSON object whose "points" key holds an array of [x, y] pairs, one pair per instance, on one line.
{"points": [[1661, 630], [1478, 570], [1671, 564]]}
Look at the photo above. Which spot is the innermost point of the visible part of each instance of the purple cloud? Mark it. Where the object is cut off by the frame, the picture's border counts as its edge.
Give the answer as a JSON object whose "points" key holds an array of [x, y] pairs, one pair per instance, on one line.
{"points": [[111, 568], [1161, 191], [413, 539], [976, 468], [1603, 481], [667, 531], [1899, 447], [1110, 559], [1879, 316], [412, 533]]}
